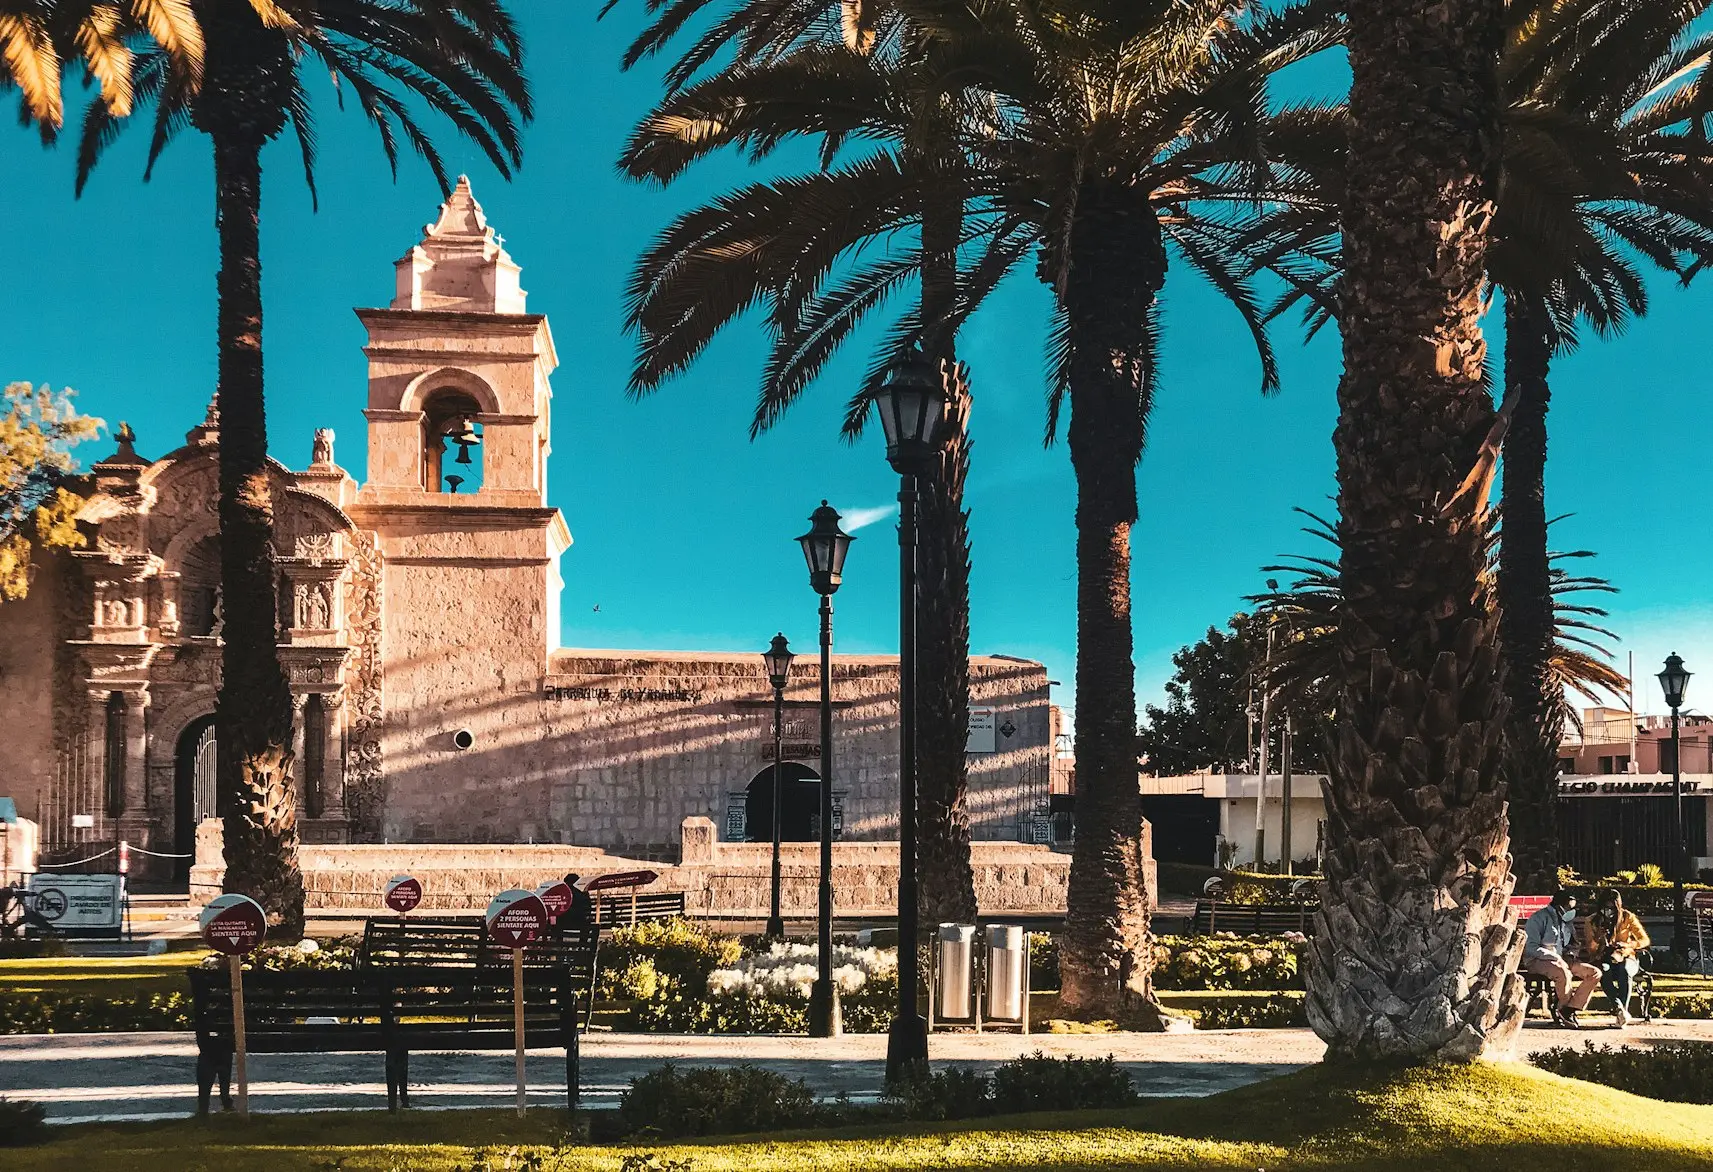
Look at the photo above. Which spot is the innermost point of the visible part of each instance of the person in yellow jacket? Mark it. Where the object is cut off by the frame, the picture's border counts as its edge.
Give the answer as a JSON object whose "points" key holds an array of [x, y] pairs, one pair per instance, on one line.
{"points": [[1615, 939]]}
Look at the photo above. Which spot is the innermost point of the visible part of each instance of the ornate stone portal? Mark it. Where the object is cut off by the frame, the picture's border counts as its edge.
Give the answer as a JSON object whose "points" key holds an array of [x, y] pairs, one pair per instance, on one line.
{"points": [[418, 627]]}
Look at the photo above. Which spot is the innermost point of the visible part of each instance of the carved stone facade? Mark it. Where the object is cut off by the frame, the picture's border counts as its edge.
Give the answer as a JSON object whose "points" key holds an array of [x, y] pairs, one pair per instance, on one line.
{"points": [[418, 629]]}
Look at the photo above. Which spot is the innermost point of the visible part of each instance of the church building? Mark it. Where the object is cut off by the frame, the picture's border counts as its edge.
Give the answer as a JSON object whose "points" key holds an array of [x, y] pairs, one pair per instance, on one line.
{"points": [[419, 630]]}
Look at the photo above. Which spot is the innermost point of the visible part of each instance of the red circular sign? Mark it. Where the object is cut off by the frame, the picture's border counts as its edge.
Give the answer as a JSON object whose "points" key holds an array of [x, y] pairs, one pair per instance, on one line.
{"points": [[233, 924], [516, 917], [403, 893], [556, 895]]}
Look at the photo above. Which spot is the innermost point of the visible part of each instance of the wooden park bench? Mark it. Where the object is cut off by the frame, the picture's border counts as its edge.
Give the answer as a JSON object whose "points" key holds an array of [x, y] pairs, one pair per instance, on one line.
{"points": [[1252, 919], [417, 986], [626, 909]]}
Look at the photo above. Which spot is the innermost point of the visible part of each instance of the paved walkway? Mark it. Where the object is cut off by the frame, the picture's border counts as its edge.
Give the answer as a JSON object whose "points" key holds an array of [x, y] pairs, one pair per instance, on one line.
{"points": [[111, 1077]]}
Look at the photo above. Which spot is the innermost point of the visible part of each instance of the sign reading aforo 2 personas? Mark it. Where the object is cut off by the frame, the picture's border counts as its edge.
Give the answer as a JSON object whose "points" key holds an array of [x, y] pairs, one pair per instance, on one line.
{"points": [[1701, 901], [233, 924], [516, 917], [403, 893], [556, 897]]}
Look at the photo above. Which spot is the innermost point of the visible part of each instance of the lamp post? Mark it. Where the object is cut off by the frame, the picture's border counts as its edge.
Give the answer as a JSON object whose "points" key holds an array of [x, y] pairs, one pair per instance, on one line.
{"points": [[1674, 681], [912, 406], [824, 548], [777, 659]]}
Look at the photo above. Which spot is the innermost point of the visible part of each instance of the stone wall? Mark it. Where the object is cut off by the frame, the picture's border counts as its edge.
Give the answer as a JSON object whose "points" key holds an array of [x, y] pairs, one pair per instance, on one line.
{"points": [[617, 748], [720, 880]]}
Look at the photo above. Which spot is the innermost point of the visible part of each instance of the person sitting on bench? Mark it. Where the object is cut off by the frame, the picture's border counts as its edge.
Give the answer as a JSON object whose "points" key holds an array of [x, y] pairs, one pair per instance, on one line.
{"points": [[1614, 940], [1548, 937]]}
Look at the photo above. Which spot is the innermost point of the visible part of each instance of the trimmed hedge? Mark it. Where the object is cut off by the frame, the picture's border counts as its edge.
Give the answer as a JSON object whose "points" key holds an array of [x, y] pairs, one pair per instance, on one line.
{"points": [[74, 1013], [679, 1101], [1677, 1072]]}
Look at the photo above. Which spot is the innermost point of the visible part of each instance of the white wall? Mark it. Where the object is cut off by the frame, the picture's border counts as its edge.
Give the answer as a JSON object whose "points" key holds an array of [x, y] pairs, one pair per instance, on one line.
{"points": [[1237, 820]]}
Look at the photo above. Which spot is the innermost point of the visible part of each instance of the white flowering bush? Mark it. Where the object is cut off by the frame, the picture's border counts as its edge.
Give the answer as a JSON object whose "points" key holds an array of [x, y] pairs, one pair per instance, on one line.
{"points": [[787, 971]]}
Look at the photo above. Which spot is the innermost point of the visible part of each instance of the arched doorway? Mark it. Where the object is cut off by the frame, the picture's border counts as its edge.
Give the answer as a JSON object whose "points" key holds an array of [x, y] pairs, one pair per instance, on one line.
{"points": [[799, 804], [196, 793]]}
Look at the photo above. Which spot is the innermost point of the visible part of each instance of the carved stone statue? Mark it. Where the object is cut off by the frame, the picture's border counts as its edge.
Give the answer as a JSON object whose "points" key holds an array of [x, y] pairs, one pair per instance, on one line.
{"points": [[319, 606], [321, 454]]}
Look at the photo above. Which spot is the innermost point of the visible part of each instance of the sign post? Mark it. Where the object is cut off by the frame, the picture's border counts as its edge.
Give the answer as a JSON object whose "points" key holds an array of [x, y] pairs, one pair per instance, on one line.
{"points": [[403, 894], [515, 918], [235, 924]]}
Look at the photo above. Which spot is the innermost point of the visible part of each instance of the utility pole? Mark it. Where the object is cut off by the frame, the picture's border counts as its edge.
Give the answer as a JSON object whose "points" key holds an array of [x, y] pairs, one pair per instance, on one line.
{"points": [[1261, 784]]}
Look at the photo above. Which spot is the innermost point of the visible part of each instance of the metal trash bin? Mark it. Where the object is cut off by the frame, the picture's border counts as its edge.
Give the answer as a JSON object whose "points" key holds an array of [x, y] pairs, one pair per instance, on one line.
{"points": [[954, 972], [1008, 974]]}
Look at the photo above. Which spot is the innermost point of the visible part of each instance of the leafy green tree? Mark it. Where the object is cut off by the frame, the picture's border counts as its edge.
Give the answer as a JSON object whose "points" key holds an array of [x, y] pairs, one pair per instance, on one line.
{"points": [[461, 59], [1210, 720], [37, 510]]}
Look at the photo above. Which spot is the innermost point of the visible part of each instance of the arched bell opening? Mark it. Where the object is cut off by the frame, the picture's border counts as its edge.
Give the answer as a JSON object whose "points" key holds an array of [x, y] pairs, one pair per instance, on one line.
{"points": [[451, 442]]}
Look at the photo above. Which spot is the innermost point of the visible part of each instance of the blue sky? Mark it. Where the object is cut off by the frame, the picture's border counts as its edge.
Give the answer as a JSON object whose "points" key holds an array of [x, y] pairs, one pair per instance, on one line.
{"points": [[683, 527]]}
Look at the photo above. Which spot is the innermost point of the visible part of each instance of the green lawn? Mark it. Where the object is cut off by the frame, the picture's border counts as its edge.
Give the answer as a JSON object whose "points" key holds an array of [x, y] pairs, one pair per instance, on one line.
{"points": [[106, 976], [1479, 1119]]}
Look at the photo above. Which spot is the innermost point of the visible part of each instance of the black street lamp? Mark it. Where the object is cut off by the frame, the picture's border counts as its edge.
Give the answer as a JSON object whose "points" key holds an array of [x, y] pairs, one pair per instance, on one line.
{"points": [[824, 548], [1674, 681], [912, 407], [777, 659]]}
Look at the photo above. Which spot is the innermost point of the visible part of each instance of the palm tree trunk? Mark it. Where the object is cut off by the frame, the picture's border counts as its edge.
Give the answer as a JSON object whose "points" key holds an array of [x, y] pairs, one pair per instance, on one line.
{"points": [[1117, 264], [1535, 725], [1415, 952], [253, 711], [946, 891]]}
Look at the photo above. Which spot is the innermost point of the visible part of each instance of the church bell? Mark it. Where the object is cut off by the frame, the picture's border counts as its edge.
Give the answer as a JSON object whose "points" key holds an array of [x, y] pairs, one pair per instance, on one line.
{"points": [[466, 437]]}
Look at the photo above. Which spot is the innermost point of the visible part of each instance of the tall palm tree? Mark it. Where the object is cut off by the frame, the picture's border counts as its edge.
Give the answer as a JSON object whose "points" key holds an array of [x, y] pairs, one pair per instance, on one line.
{"points": [[759, 31], [463, 59], [36, 36], [1090, 138], [1415, 953], [1306, 660], [1606, 166]]}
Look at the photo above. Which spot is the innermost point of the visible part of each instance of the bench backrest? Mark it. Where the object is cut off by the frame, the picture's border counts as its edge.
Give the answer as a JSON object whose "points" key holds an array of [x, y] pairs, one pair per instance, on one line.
{"points": [[1269, 918], [459, 942], [275, 1001], [417, 941], [623, 908]]}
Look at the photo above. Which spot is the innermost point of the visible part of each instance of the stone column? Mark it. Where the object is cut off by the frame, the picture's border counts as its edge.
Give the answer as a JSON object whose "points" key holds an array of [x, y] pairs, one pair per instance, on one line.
{"points": [[138, 824]]}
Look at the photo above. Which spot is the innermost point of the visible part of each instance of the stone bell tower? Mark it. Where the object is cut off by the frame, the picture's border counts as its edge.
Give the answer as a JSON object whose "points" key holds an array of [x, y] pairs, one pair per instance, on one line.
{"points": [[459, 411]]}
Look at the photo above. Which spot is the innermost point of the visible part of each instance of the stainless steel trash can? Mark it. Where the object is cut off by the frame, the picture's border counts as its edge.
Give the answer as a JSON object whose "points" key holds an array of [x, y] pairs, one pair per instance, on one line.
{"points": [[1007, 972], [954, 962]]}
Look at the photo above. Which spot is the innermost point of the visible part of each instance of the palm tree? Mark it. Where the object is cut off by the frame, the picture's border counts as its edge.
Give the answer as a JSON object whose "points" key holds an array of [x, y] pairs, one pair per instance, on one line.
{"points": [[1415, 953], [834, 29], [1306, 660], [463, 59], [37, 35], [1089, 138], [1605, 165]]}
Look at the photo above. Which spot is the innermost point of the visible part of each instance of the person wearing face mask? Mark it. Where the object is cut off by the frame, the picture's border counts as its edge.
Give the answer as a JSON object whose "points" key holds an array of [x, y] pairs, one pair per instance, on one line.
{"points": [[1615, 941], [1549, 936]]}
